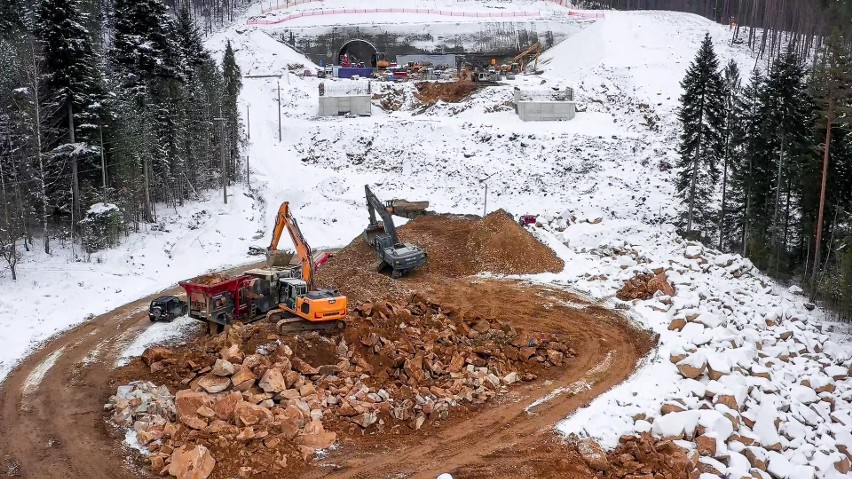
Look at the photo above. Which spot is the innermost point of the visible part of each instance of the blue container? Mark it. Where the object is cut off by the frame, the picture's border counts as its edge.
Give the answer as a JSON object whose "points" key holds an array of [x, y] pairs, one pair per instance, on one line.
{"points": [[349, 72]]}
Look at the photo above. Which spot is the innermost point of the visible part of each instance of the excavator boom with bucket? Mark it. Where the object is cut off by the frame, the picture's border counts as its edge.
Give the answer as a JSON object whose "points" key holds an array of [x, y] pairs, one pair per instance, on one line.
{"points": [[400, 257], [290, 295]]}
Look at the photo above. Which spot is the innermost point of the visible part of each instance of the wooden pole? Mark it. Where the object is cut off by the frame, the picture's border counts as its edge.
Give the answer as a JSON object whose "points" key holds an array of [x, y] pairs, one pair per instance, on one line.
{"points": [[279, 110], [822, 188]]}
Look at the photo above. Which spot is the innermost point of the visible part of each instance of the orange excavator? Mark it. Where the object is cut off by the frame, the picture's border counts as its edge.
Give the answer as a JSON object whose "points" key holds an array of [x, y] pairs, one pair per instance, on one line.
{"points": [[294, 302]]}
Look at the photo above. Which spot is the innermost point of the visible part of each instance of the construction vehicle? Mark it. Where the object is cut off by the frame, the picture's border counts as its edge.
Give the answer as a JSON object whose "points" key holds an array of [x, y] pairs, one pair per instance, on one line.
{"points": [[405, 208], [521, 58], [219, 301], [293, 286], [526, 220], [391, 253], [166, 308], [380, 61], [281, 293]]}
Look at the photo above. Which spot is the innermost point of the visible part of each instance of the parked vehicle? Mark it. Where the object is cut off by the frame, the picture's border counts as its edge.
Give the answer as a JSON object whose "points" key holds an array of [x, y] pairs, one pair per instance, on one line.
{"points": [[167, 308]]}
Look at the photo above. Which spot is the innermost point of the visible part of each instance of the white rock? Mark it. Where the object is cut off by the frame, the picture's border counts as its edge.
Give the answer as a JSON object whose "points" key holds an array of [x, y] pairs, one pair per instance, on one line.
{"points": [[445, 476], [676, 424], [693, 252], [803, 394]]}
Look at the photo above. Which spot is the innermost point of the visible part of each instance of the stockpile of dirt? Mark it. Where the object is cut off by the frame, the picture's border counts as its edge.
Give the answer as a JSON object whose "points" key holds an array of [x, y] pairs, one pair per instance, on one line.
{"points": [[456, 246], [450, 92], [211, 278], [255, 402]]}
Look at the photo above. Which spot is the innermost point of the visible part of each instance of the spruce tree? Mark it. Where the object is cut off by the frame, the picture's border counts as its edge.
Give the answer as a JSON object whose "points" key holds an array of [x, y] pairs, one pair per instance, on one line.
{"points": [[731, 80], [73, 85], [702, 118], [787, 109], [233, 85], [748, 147]]}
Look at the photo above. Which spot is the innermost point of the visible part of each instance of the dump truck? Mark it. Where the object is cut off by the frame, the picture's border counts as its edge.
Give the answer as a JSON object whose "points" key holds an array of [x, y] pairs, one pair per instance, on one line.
{"points": [[405, 208], [400, 257]]}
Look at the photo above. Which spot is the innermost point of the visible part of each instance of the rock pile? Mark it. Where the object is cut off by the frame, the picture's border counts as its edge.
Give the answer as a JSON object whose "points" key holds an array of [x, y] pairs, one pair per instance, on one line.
{"points": [[283, 398], [639, 457], [645, 286], [758, 385]]}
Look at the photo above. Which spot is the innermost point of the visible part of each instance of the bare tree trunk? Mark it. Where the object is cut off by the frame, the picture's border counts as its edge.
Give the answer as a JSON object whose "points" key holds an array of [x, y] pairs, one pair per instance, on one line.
{"points": [[37, 134], [829, 121]]}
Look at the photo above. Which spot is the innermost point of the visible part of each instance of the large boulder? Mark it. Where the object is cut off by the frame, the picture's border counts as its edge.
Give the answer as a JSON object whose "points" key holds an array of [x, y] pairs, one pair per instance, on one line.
{"points": [[272, 381], [225, 405], [213, 383], [248, 414], [187, 402], [593, 454], [191, 462]]}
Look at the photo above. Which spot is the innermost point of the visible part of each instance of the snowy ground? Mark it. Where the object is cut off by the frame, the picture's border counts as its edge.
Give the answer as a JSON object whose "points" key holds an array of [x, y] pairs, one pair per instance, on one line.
{"points": [[612, 162]]}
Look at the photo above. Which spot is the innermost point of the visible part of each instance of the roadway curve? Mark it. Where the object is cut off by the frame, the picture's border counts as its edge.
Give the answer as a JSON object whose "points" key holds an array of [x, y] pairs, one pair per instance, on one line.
{"points": [[52, 423]]}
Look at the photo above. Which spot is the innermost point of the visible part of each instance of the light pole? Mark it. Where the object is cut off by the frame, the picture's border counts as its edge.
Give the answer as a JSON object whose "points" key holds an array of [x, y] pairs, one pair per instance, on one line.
{"points": [[485, 203]]}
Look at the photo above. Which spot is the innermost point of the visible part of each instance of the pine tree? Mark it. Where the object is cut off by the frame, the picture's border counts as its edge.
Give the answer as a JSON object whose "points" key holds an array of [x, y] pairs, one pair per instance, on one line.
{"points": [[145, 56], [731, 80], [233, 85], [702, 119]]}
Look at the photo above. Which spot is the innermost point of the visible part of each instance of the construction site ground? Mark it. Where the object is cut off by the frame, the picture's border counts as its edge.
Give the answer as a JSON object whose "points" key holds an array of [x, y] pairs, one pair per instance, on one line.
{"points": [[53, 403]]}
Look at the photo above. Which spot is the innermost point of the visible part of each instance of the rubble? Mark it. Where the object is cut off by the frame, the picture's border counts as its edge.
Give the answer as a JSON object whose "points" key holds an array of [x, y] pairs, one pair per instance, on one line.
{"points": [[399, 364], [645, 286]]}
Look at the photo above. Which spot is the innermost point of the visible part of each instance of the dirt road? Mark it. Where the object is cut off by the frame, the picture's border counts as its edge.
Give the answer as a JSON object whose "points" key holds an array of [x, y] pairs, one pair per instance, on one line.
{"points": [[51, 417], [485, 444], [51, 405]]}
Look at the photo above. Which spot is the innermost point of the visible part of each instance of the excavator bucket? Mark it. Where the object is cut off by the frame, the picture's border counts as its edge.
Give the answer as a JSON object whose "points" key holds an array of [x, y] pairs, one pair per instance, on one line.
{"points": [[371, 231], [278, 258]]}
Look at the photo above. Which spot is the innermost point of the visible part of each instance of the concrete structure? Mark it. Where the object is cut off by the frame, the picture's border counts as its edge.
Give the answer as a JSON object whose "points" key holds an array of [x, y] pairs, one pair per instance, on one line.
{"points": [[545, 105], [336, 100]]}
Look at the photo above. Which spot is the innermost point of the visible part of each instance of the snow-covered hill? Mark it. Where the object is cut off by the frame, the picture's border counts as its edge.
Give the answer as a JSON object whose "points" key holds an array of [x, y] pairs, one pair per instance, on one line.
{"points": [[605, 178]]}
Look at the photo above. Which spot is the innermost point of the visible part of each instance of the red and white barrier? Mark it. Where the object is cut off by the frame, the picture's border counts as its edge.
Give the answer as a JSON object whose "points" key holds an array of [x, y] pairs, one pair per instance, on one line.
{"points": [[422, 11]]}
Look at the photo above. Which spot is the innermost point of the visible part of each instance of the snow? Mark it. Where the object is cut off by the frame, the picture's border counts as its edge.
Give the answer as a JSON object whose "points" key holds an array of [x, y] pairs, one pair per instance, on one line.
{"points": [[601, 185], [37, 374], [55, 292], [159, 333], [101, 208]]}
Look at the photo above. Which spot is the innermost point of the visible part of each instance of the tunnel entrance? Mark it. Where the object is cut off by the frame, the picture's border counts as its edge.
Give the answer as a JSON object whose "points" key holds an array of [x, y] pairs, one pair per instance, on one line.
{"points": [[357, 51]]}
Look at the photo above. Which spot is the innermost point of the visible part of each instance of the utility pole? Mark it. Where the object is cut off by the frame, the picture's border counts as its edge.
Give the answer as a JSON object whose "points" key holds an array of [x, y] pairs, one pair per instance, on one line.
{"points": [[279, 110], [248, 122], [224, 174], [248, 173], [103, 163], [485, 205]]}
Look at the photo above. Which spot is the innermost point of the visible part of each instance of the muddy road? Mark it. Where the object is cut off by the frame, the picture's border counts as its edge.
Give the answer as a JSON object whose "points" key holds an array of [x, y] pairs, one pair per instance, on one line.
{"points": [[52, 421]]}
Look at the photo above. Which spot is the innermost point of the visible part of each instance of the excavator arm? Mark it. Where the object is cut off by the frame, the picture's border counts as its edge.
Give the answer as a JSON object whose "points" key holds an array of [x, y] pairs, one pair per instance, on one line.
{"points": [[374, 204], [521, 57], [285, 219]]}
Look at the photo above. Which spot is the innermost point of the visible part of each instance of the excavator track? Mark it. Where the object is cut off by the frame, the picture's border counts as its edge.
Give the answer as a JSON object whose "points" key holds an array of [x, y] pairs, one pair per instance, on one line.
{"points": [[295, 324]]}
